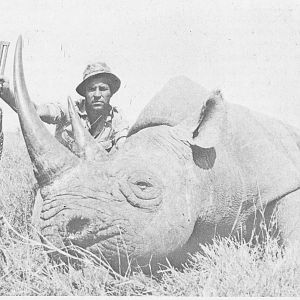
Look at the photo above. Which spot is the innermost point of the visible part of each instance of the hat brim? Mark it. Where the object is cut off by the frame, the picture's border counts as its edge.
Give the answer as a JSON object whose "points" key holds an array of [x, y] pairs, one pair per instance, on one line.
{"points": [[113, 81]]}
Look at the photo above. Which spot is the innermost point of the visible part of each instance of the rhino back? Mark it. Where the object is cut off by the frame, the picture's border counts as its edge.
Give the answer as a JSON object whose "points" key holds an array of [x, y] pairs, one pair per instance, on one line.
{"points": [[177, 99]]}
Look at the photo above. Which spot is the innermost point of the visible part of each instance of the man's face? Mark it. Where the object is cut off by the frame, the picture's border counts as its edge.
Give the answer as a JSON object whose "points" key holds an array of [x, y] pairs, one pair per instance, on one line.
{"points": [[97, 94]]}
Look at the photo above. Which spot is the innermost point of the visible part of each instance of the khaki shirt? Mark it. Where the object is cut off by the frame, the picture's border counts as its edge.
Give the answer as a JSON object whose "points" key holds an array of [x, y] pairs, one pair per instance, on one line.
{"points": [[115, 127]]}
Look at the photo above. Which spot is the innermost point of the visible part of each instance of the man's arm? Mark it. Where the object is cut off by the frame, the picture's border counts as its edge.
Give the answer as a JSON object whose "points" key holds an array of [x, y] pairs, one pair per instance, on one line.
{"points": [[51, 113], [6, 93]]}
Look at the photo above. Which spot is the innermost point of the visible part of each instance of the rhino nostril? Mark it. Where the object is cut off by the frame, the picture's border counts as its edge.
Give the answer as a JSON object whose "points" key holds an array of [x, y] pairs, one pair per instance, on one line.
{"points": [[77, 224]]}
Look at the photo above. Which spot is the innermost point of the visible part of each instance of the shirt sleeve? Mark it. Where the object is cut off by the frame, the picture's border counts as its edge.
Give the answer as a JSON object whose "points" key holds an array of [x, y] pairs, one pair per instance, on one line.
{"points": [[120, 127], [52, 113]]}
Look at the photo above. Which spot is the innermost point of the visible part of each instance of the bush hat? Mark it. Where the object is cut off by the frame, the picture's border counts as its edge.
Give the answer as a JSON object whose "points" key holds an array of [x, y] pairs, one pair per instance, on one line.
{"points": [[100, 69]]}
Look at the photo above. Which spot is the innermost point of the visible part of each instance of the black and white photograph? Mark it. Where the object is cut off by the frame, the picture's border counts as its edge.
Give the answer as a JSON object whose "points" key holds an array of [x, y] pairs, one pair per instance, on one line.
{"points": [[150, 148]]}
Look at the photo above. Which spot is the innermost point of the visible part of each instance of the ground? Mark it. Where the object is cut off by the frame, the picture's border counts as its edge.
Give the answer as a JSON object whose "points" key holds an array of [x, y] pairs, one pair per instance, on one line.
{"points": [[226, 268]]}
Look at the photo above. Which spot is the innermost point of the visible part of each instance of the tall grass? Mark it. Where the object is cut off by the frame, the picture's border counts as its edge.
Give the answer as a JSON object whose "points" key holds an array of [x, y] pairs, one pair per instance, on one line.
{"points": [[17, 182], [227, 267]]}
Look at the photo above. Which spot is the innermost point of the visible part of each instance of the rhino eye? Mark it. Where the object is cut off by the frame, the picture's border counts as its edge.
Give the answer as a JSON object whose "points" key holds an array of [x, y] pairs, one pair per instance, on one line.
{"points": [[145, 189], [143, 185], [142, 189]]}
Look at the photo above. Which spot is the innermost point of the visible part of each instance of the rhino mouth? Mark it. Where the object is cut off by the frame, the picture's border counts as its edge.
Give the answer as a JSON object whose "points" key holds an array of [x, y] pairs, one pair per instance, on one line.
{"points": [[81, 232]]}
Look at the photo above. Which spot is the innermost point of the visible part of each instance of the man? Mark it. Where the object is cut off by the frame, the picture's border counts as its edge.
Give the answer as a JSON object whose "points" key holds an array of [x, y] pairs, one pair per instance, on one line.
{"points": [[103, 121]]}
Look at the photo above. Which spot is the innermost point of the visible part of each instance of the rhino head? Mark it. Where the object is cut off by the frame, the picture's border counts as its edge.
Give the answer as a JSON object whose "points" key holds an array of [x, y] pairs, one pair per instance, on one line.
{"points": [[138, 205]]}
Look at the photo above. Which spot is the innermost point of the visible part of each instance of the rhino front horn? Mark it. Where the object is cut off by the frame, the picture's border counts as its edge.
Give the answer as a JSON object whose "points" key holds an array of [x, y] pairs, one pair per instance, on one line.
{"points": [[49, 157]]}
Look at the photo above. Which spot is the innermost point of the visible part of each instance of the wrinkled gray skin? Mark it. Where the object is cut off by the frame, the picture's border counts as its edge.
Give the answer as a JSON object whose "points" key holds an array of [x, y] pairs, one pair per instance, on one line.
{"points": [[192, 167]]}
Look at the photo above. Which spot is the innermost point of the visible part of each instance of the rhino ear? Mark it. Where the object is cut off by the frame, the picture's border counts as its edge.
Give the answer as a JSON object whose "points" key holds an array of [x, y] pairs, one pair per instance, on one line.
{"points": [[210, 123], [202, 131], [204, 128]]}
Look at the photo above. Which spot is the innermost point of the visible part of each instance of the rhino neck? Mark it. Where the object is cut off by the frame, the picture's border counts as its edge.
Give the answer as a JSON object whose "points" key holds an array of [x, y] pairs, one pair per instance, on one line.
{"points": [[260, 146], [248, 157]]}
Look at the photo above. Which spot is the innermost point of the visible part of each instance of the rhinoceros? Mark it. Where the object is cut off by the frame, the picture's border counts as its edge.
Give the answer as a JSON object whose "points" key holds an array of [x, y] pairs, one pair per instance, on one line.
{"points": [[193, 167]]}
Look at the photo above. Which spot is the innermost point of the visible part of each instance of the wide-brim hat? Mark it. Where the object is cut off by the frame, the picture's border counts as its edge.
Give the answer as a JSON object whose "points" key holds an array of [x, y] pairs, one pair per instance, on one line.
{"points": [[99, 69]]}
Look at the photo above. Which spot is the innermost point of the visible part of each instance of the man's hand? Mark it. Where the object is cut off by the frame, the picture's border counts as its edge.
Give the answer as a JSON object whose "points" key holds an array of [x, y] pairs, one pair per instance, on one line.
{"points": [[6, 93], [8, 96], [4, 86]]}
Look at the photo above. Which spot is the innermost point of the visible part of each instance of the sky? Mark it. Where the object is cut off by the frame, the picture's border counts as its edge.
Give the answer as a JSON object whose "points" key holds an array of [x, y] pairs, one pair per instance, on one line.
{"points": [[248, 49]]}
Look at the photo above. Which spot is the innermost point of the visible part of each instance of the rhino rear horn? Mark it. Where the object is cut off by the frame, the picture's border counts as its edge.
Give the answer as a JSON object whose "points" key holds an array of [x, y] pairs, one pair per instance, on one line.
{"points": [[84, 144], [49, 157]]}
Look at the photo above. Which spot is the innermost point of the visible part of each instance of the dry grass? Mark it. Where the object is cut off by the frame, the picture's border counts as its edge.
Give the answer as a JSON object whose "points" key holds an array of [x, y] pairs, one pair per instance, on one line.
{"points": [[17, 184], [227, 267]]}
